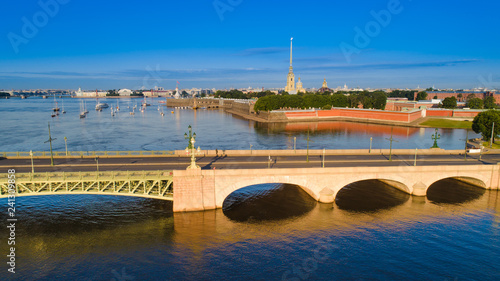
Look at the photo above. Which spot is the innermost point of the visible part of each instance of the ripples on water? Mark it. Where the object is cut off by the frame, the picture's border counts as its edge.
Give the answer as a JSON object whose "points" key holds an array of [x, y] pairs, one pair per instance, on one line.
{"points": [[265, 232]]}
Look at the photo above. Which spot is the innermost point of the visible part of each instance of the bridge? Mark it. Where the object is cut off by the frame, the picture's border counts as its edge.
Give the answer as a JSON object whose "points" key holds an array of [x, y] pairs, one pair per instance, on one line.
{"points": [[206, 188], [198, 190], [149, 184]]}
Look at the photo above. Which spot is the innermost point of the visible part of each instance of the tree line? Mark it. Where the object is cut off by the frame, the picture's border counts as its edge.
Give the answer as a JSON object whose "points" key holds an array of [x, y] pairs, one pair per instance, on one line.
{"points": [[237, 94], [472, 102], [375, 100]]}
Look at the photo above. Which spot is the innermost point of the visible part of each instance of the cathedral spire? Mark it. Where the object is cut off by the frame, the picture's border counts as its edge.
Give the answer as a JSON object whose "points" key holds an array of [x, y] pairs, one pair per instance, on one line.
{"points": [[290, 81]]}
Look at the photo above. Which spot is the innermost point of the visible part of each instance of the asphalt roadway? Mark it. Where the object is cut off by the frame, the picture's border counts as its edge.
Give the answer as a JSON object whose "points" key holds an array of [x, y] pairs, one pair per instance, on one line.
{"points": [[138, 163]]}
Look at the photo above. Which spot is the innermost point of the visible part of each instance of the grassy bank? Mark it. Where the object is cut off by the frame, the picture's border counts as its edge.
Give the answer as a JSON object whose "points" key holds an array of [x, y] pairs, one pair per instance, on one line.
{"points": [[446, 123], [496, 144]]}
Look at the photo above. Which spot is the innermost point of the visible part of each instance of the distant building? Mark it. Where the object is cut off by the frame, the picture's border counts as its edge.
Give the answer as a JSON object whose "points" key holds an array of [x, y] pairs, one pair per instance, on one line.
{"points": [[324, 88], [300, 89], [95, 93], [125, 92], [290, 80]]}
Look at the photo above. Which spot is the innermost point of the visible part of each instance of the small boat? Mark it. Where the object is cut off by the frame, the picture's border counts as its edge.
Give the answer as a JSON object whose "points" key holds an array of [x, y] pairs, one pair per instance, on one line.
{"points": [[63, 111], [83, 114], [99, 106], [144, 103], [56, 108]]}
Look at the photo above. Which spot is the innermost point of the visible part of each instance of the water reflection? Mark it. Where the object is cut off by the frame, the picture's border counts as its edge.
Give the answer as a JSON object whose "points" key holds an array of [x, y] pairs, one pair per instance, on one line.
{"points": [[267, 202], [452, 191], [143, 237], [369, 196]]}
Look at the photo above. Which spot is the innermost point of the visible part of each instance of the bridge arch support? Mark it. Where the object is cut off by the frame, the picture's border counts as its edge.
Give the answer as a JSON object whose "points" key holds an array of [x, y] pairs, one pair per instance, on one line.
{"points": [[207, 189]]}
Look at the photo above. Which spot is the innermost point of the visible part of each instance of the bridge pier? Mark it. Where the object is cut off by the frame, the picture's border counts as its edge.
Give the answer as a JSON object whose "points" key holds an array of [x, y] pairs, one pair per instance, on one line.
{"points": [[195, 190], [419, 189]]}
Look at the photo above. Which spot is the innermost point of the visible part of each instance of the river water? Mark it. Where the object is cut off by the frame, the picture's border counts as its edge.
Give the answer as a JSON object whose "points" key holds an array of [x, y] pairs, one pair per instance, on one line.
{"points": [[264, 232], [25, 127]]}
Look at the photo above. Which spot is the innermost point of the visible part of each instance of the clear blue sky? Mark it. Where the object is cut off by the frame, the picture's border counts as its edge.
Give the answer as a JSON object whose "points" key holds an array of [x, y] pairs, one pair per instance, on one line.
{"points": [[241, 43]]}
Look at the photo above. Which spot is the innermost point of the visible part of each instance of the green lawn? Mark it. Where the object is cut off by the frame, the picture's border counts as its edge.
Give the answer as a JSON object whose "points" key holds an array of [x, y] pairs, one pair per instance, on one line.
{"points": [[445, 123], [496, 144]]}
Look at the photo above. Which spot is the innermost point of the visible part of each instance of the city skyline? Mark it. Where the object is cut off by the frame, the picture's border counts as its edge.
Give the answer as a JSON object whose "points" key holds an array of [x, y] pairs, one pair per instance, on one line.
{"points": [[240, 44]]}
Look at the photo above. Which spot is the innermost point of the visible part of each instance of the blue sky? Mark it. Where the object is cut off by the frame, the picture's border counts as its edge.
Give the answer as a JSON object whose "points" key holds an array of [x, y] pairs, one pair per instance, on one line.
{"points": [[241, 43]]}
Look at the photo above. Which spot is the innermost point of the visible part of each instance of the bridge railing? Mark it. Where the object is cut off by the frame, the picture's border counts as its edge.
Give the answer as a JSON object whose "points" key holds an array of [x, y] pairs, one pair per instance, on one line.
{"points": [[78, 176], [87, 153]]}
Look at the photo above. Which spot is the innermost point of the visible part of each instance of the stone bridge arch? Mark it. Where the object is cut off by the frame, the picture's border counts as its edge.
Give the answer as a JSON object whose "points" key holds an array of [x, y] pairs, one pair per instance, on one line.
{"points": [[222, 194]]}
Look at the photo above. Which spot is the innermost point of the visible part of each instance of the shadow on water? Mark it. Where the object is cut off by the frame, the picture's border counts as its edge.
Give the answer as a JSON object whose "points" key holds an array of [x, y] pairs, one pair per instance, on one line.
{"points": [[369, 196], [267, 202], [452, 191], [64, 214]]}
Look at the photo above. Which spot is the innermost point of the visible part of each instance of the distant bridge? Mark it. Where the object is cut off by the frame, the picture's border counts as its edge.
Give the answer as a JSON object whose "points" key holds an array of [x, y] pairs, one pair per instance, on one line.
{"points": [[149, 184]]}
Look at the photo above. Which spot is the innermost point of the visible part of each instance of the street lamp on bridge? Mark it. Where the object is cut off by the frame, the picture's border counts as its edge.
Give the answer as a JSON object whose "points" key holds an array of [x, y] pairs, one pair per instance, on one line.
{"points": [[191, 148], [435, 137], [191, 136]]}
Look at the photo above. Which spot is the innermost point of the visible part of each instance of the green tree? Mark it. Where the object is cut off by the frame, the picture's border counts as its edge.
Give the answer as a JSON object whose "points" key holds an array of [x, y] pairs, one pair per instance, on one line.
{"points": [[489, 103], [380, 100], [422, 96], [459, 96], [339, 100], [112, 93], [474, 103], [449, 102], [352, 101], [483, 124], [435, 97]]}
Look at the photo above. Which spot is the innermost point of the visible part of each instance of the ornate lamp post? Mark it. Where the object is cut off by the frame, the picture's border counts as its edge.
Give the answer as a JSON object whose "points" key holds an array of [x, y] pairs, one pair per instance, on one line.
{"points": [[435, 137], [51, 154], [390, 147], [191, 136], [32, 166], [191, 148], [66, 144], [193, 153]]}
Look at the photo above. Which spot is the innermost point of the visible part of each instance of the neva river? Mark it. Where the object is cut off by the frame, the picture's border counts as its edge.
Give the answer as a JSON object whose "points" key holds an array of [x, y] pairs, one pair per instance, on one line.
{"points": [[24, 127], [264, 232]]}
